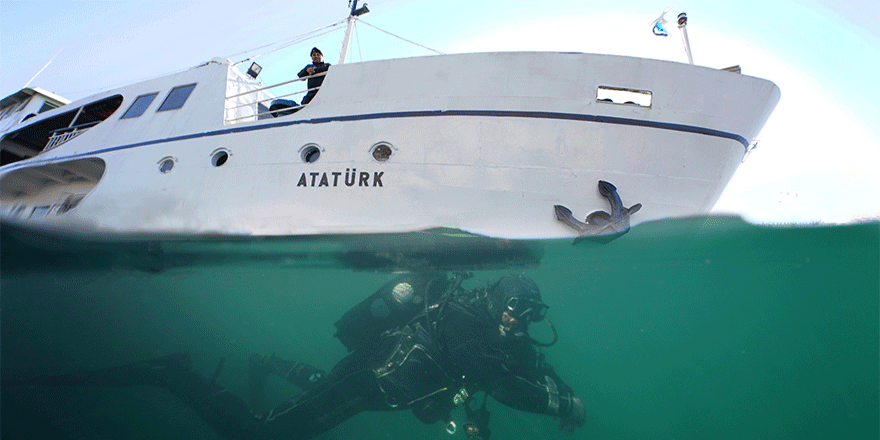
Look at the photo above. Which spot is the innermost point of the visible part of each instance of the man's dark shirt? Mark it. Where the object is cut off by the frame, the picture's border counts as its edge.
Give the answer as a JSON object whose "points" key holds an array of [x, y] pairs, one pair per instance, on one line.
{"points": [[315, 81]]}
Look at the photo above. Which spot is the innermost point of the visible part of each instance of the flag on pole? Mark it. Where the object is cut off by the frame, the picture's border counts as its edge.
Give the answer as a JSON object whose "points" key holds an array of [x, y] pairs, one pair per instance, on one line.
{"points": [[659, 25], [659, 30]]}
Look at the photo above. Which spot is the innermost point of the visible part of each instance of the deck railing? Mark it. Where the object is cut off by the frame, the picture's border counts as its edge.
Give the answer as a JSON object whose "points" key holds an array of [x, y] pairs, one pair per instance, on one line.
{"points": [[262, 99], [66, 134]]}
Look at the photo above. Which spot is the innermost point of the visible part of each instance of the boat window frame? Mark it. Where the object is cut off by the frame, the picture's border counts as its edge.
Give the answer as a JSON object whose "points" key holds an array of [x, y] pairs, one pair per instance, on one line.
{"points": [[23, 104], [136, 100], [625, 96], [15, 107], [48, 106], [163, 108]]}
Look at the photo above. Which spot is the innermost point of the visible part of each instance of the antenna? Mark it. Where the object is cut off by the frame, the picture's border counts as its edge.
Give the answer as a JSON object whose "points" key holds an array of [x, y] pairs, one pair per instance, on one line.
{"points": [[44, 68], [352, 18]]}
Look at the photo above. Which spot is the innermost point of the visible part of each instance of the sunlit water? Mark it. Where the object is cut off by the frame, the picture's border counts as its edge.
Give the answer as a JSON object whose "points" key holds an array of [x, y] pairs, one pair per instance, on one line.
{"points": [[687, 329]]}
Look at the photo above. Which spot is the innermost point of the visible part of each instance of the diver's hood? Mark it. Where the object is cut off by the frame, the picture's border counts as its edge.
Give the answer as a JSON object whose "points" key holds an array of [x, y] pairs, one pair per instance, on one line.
{"points": [[519, 296]]}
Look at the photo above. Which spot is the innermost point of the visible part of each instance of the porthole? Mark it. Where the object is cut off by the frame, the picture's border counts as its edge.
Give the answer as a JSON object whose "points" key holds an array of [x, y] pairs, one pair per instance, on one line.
{"points": [[381, 151], [310, 153], [219, 157], [166, 164]]}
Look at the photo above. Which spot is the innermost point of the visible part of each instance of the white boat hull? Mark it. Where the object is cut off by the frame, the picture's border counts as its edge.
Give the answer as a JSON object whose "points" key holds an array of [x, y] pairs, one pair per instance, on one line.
{"points": [[489, 151]]}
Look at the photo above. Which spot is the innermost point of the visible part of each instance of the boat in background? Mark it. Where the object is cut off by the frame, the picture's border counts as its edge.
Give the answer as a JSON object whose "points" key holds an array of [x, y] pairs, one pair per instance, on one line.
{"points": [[385, 147]]}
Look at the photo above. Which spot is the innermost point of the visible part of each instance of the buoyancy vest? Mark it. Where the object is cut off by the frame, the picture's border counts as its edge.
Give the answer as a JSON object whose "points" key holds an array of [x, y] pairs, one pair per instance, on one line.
{"points": [[395, 304]]}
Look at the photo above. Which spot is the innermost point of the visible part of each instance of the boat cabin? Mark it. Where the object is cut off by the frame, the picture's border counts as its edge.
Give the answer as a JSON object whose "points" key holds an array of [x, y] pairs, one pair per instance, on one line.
{"points": [[35, 122], [20, 107]]}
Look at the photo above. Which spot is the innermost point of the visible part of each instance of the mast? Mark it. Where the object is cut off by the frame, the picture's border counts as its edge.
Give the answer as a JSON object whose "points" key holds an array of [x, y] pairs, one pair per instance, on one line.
{"points": [[682, 23], [352, 17]]}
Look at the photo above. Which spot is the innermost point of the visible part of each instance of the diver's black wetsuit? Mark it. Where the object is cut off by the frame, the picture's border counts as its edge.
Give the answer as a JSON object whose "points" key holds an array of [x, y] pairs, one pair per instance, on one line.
{"points": [[420, 366], [510, 369]]}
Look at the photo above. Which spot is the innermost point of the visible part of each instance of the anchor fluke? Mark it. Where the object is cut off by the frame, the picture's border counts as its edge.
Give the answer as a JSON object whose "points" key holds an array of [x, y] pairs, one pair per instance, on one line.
{"points": [[564, 215], [600, 224]]}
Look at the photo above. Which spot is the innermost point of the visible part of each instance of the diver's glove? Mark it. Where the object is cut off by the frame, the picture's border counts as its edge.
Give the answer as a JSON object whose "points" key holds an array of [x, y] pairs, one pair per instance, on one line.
{"points": [[476, 427], [576, 418]]}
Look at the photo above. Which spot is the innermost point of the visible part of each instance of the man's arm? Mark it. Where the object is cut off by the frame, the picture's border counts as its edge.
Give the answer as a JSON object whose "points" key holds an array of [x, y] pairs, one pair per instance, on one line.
{"points": [[537, 396], [545, 396], [519, 383], [513, 375], [524, 382]]}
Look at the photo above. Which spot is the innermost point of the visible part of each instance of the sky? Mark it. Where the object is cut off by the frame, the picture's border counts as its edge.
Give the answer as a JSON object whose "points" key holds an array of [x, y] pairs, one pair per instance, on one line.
{"points": [[818, 156]]}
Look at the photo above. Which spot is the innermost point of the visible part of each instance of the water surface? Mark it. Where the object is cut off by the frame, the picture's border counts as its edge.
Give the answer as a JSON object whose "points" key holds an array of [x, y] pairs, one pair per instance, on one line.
{"points": [[687, 329]]}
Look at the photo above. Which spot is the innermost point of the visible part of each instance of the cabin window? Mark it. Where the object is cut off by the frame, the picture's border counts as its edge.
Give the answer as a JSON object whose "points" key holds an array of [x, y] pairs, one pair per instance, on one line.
{"points": [[21, 106], [69, 203], [139, 106], [176, 97], [17, 210], [625, 96], [310, 153], [14, 108], [381, 152], [47, 106], [41, 211], [166, 164], [219, 157], [98, 111], [51, 132]]}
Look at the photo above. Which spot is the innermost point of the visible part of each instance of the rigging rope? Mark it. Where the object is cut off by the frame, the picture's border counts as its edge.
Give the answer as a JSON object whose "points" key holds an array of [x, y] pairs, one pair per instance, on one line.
{"points": [[404, 39], [289, 41], [317, 33], [358, 37]]}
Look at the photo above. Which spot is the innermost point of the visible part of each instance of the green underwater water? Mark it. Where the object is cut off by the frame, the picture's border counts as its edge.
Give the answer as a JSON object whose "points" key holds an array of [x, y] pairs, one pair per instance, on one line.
{"points": [[701, 328]]}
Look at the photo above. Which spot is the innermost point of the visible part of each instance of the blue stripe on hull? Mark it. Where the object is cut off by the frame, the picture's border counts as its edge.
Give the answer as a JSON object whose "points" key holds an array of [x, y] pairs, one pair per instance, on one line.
{"points": [[427, 113]]}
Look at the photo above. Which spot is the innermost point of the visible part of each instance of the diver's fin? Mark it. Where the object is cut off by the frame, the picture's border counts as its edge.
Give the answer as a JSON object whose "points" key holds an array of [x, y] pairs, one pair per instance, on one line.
{"points": [[226, 413], [149, 372], [217, 370], [257, 374]]}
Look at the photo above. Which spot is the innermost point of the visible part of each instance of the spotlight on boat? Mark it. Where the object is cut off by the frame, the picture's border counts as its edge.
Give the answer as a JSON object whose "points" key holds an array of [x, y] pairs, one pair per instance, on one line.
{"points": [[254, 70], [360, 11]]}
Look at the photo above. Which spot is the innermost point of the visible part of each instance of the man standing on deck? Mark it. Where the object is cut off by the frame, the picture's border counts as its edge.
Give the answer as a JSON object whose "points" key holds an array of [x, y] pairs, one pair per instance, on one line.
{"points": [[318, 66]]}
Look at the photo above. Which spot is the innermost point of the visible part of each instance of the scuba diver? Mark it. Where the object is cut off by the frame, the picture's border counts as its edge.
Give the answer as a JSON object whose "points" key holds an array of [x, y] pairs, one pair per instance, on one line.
{"points": [[421, 342]]}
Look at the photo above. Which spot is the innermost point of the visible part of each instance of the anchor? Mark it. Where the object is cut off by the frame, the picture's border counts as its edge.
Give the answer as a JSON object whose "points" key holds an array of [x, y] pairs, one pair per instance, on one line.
{"points": [[600, 225]]}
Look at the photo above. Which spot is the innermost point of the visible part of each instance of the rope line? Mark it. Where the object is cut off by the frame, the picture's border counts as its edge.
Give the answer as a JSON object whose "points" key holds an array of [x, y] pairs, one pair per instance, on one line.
{"points": [[288, 41], [404, 39], [358, 37]]}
